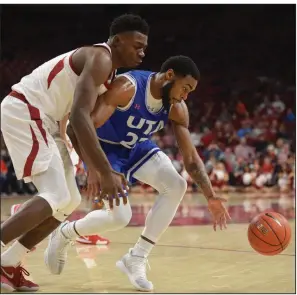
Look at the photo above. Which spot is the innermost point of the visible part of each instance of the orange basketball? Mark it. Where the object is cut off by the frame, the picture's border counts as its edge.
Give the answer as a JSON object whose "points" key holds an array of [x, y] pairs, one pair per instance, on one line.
{"points": [[269, 233]]}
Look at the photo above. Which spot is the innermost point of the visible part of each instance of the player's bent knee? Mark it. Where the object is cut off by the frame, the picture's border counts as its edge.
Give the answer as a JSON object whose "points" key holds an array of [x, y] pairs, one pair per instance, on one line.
{"points": [[173, 182], [124, 218], [180, 185], [122, 215]]}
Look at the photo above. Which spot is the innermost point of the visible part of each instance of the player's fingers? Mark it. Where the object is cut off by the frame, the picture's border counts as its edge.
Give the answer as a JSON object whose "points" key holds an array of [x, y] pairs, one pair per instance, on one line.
{"points": [[124, 181], [110, 200], [125, 200], [215, 225], [227, 214], [122, 192], [224, 221], [222, 199], [117, 200], [90, 190], [96, 189]]}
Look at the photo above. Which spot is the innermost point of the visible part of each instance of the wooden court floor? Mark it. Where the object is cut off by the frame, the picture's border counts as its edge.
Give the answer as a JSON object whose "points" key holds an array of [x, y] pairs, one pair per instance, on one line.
{"points": [[188, 259]]}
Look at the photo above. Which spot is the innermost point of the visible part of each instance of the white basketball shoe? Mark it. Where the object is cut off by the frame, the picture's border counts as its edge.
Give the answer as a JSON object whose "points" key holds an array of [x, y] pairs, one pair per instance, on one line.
{"points": [[135, 268], [55, 255]]}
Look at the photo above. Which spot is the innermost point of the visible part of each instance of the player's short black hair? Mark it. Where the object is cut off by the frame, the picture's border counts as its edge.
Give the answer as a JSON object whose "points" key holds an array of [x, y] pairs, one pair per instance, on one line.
{"points": [[128, 22], [182, 66]]}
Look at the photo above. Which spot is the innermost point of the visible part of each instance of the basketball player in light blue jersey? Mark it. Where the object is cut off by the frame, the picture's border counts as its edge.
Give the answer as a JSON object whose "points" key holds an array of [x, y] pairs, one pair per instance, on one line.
{"points": [[138, 104]]}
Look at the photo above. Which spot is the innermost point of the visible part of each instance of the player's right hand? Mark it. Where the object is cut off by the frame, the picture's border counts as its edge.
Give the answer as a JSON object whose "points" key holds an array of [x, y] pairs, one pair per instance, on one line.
{"points": [[113, 186]]}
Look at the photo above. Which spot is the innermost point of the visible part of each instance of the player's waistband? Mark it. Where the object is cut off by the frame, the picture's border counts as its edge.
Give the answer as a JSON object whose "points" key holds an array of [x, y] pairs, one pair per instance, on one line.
{"points": [[19, 96]]}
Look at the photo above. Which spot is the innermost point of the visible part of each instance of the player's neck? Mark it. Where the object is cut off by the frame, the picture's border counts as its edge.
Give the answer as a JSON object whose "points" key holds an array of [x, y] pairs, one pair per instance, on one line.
{"points": [[156, 86], [116, 61]]}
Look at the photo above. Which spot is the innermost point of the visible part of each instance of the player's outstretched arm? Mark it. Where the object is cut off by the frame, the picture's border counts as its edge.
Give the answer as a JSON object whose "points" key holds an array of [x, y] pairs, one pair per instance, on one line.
{"points": [[179, 116], [194, 165]]}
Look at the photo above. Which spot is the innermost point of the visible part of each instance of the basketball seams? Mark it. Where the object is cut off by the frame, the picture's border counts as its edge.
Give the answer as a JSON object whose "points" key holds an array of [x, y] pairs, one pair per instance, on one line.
{"points": [[273, 230], [262, 224], [262, 239], [285, 223]]}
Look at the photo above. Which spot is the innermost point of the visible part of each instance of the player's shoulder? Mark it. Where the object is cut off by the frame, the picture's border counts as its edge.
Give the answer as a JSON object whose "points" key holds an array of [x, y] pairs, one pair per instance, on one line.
{"points": [[179, 113], [139, 78], [141, 74], [93, 56]]}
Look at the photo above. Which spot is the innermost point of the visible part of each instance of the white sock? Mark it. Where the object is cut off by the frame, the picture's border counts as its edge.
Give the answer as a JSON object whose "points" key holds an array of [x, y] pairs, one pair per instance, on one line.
{"points": [[14, 255], [69, 230], [142, 248]]}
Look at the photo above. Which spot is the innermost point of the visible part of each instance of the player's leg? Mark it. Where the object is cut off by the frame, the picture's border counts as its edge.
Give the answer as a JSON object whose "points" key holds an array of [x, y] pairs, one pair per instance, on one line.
{"points": [[94, 239], [159, 173], [31, 149], [51, 188], [58, 251], [33, 154], [36, 235], [88, 240], [95, 222]]}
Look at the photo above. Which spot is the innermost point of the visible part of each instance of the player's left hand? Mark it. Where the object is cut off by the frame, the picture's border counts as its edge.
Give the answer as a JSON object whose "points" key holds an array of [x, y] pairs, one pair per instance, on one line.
{"points": [[218, 211]]}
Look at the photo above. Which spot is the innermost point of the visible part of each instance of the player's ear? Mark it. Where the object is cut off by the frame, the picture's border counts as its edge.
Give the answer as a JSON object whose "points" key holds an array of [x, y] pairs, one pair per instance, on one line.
{"points": [[169, 75], [117, 40]]}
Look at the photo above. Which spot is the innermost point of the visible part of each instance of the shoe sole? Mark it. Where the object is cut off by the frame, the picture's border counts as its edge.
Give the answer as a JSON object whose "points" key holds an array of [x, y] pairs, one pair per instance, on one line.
{"points": [[5, 288], [121, 266], [27, 289]]}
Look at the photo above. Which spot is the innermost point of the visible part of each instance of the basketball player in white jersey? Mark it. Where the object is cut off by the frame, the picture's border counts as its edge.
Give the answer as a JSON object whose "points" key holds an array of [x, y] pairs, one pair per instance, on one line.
{"points": [[69, 83]]}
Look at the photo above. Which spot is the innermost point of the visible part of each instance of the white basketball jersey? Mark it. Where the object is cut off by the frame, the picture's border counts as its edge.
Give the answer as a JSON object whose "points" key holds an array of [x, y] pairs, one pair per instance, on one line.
{"points": [[50, 87]]}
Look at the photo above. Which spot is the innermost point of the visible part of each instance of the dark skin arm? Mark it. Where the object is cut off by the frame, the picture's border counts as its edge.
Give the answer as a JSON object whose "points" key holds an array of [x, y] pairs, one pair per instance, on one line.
{"points": [[74, 141], [120, 93], [95, 72], [179, 116], [96, 68]]}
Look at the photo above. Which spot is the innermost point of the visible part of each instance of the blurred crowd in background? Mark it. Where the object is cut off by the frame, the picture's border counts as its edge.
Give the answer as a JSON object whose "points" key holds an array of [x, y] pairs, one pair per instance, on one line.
{"points": [[243, 113]]}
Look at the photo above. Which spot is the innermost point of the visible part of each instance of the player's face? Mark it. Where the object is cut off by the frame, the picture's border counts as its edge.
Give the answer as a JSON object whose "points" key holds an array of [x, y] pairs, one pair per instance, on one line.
{"points": [[131, 48], [177, 89]]}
